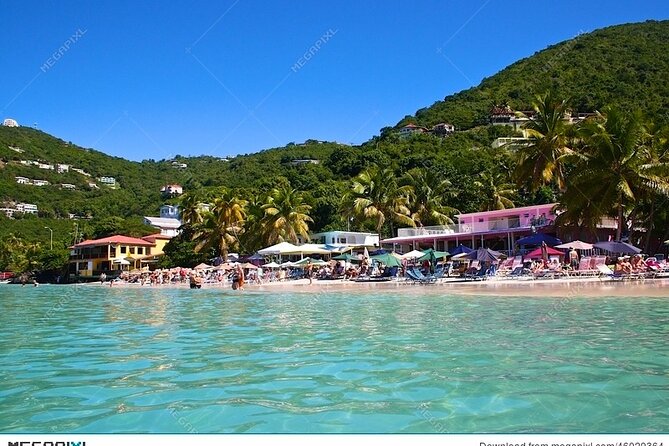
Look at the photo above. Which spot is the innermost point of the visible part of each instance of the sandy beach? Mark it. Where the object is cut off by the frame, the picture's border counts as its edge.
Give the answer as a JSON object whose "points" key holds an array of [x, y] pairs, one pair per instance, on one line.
{"points": [[582, 287]]}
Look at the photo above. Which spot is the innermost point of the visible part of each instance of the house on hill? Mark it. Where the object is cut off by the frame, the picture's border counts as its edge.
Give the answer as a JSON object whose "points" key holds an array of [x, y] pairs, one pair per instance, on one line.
{"points": [[9, 122], [410, 130], [443, 129], [172, 190]]}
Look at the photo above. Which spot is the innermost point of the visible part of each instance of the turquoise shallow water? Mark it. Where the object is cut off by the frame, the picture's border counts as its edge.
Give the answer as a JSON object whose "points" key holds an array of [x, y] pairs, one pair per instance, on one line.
{"points": [[94, 359]]}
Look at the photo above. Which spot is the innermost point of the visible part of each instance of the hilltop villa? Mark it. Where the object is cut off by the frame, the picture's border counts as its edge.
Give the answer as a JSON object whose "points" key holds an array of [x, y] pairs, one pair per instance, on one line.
{"points": [[168, 222]]}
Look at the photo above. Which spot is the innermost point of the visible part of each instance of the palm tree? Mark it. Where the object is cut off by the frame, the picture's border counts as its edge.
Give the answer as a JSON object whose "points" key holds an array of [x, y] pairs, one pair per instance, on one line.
{"points": [[497, 190], [541, 161], [193, 207], [429, 191], [376, 196], [221, 225], [619, 168], [252, 236], [286, 216]]}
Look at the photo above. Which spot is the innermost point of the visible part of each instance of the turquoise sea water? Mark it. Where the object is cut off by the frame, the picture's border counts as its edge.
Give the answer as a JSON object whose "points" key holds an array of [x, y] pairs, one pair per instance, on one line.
{"points": [[94, 359]]}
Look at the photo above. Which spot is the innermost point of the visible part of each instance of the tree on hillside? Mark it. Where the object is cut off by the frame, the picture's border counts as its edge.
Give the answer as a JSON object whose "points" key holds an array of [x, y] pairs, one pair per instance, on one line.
{"points": [[542, 160], [429, 192], [376, 196], [619, 168], [286, 216], [221, 225], [497, 190]]}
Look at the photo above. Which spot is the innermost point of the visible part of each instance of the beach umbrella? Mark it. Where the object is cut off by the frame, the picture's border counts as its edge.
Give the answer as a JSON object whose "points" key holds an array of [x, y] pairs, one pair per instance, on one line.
{"points": [[461, 249], [412, 254], [432, 255], [618, 247], [316, 262], [484, 255], [537, 239], [202, 266], [286, 264], [248, 265], [347, 257], [576, 244], [279, 248], [271, 265], [538, 253], [121, 262], [387, 259]]}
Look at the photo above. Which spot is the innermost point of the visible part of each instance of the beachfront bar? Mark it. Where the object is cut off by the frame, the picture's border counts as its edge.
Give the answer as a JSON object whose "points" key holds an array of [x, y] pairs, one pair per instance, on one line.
{"points": [[497, 230]]}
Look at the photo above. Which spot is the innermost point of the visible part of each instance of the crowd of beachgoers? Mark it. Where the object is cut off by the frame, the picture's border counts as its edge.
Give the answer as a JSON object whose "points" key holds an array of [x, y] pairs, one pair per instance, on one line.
{"points": [[237, 275]]}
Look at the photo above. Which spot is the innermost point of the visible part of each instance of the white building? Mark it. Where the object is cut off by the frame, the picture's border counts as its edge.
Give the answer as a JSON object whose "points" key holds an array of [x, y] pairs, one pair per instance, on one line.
{"points": [[62, 168], [169, 211], [411, 129], [22, 180], [346, 238], [109, 181], [40, 182], [26, 208], [172, 190], [68, 186], [9, 212], [46, 166], [168, 226], [81, 171], [443, 129], [178, 165], [10, 123], [93, 185]]}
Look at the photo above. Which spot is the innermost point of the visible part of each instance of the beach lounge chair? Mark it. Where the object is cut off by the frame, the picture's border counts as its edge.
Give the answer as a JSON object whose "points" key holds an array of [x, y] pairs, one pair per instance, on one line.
{"points": [[481, 274], [422, 277]]}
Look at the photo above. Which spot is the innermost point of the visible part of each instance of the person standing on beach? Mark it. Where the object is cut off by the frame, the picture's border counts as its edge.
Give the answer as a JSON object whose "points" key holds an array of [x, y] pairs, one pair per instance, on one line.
{"points": [[573, 259], [308, 270]]}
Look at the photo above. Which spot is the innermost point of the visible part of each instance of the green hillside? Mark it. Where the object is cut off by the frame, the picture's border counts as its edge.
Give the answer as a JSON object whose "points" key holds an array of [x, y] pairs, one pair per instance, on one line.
{"points": [[623, 64]]}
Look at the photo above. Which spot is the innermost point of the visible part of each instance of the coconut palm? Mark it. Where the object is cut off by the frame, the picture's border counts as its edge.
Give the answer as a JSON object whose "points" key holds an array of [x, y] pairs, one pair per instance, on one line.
{"points": [[541, 161], [193, 207], [221, 225], [429, 192], [497, 190], [376, 196], [286, 216], [619, 168]]}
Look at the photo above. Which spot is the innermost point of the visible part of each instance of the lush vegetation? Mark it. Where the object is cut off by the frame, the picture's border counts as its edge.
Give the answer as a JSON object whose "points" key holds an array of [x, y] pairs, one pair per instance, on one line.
{"points": [[611, 165]]}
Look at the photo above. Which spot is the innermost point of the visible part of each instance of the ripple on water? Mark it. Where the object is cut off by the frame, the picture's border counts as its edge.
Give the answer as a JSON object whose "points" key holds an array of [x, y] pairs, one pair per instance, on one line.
{"points": [[161, 360]]}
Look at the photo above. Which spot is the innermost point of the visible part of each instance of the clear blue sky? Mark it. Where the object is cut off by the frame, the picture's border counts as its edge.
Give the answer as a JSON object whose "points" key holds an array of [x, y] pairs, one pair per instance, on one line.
{"points": [[153, 79]]}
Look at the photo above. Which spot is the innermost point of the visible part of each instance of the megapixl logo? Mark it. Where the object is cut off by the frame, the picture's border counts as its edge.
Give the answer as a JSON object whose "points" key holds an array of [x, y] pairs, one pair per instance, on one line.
{"points": [[46, 443]]}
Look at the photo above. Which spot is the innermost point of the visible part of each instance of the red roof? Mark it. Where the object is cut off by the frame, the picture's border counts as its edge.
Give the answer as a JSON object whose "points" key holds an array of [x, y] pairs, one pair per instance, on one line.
{"points": [[114, 240]]}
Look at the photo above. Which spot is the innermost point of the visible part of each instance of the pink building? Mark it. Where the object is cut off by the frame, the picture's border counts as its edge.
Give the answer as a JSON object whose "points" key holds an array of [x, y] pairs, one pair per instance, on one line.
{"points": [[498, 230]]}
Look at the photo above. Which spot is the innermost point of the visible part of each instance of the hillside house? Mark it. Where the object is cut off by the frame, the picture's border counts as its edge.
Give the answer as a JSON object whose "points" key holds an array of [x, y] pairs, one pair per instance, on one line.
{"points": [[172, 190], [22, 180], [443, 129], [410, 130], [9, 122], [26, 208], [62, 168], [40, 182], [68, 186]]}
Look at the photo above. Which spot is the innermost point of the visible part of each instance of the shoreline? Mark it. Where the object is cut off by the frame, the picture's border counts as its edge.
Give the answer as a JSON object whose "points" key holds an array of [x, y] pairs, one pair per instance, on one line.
{"points": [[583, 287]]}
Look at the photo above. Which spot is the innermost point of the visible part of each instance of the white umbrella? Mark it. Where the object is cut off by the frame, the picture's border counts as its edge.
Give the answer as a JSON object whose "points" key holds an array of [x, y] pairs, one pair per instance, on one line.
{"points": [[279, 248], [121, 262], [413, 254], [203, 266], [286, 264], [272, 265], [576, 244]]}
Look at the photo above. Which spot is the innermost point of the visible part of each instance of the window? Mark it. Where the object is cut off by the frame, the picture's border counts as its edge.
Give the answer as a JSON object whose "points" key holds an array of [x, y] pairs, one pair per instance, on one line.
{"points": [[132, 250], [140, 250], [123, 249]]}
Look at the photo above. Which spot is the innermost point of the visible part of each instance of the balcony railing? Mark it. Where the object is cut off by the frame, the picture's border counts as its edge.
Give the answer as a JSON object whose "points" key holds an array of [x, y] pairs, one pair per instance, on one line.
{"points": [[476, 227]]}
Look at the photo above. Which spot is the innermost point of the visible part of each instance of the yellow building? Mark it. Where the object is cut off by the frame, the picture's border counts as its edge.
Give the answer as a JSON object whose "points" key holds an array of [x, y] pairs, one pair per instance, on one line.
{"points": [[115, 253]]}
